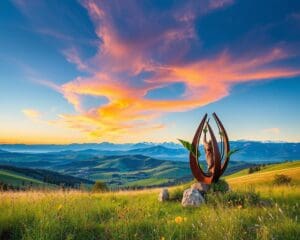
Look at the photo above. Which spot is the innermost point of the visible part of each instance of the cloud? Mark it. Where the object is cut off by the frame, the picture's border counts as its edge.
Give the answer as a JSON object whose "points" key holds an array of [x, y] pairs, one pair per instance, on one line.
{"points": [[148, 50], [213, 4], [121, 58], [32, 114], [72, 56], [274, 130]]}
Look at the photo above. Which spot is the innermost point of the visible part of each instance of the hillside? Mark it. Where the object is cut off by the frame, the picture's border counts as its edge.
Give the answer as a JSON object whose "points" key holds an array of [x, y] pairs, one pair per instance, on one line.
{"points": [[22, 178], [266, 174], [116, 170], [270, 212], [15, 180]]}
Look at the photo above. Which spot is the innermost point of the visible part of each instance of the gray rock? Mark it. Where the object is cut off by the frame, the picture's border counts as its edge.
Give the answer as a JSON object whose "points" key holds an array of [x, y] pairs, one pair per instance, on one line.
{"points": [[163, 195], [202, 187], [192, 197]]}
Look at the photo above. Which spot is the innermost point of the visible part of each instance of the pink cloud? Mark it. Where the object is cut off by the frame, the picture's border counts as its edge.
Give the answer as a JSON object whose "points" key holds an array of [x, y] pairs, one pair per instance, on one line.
{"points": [[213, 4], [272, 130], [160, 50]]}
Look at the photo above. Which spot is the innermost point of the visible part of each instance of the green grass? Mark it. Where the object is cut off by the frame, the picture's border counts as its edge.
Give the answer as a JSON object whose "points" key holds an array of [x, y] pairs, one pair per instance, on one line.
{"points": [[138, 214], [266, 175], [148, 182], [17, 179], [267, 168]]}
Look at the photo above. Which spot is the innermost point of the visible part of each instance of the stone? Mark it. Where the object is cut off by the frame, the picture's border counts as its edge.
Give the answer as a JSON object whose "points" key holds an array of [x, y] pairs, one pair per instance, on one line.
{"points": [[202, 187], [163, 195], [192, 197]]}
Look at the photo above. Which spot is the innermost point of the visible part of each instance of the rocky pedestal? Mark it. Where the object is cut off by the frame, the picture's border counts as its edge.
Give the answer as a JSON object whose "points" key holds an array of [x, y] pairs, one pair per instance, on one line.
{"points": [[202, 187], [192, 197], [163, 195]]}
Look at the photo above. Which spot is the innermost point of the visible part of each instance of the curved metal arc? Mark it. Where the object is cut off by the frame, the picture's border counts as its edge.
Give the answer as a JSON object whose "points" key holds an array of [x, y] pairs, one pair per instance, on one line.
{"points": [[194, 163], [216, 155], [225, 142]]}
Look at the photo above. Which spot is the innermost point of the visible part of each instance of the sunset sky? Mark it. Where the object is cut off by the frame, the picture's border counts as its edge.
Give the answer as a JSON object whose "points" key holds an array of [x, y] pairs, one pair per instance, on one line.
{"points": [[128, 71]]}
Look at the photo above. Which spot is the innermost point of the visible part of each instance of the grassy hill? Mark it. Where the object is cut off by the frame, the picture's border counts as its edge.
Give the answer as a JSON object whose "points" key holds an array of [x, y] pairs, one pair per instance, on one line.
{"points": [[266, 174], [118, 171], [267, 212], [23, 178], [19, 180]]}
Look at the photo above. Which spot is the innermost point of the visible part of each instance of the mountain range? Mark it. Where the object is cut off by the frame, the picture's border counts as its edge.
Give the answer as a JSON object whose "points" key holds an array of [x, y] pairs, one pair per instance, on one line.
{"points": [[139, 164], [118, 171], [249, 151]]}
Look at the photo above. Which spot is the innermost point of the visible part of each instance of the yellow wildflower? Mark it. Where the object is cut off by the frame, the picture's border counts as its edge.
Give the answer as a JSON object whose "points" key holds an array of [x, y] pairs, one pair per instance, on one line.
{"points": [[59, 207], [178, 219]]}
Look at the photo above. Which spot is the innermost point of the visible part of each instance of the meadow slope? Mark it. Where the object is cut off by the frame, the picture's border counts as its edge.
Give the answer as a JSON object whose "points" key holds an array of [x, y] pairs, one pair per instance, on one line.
{"points": [[138, 214]]}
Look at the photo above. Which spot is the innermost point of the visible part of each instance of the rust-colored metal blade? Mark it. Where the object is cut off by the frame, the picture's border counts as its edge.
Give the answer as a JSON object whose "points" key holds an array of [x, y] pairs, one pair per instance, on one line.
{"points": [[216, 170], [225, 142], [194, 164]]}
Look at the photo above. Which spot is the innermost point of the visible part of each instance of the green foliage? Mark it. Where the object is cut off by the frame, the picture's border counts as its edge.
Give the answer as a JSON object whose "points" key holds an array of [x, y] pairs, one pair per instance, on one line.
{"points": [[237, 214], [241, 199], [281, 179], [190, 147], [176, 194], [254, 169], [220, 186], [100, 187], [137, 215], [234, 198], [233, 152]]}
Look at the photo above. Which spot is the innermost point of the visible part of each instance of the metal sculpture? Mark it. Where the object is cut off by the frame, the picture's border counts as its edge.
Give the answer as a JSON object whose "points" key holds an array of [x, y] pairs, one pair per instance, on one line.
{"points": [[214, 156]]}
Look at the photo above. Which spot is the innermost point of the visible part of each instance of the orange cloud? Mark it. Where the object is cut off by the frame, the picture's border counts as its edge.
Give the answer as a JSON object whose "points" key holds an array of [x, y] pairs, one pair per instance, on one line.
{"points": [[32, 114], [119, 60]]}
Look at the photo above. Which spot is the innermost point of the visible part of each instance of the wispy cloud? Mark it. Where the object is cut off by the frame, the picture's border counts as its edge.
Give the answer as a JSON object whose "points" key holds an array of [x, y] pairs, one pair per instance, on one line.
{"points": [[119, 60], [32, 114], [161, 45], [274, 130]]}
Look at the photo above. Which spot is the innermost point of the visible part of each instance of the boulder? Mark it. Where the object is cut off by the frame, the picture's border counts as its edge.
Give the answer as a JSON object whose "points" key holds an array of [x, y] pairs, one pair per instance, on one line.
{"points": [[163, 195], [202, 187], [192, 197]]}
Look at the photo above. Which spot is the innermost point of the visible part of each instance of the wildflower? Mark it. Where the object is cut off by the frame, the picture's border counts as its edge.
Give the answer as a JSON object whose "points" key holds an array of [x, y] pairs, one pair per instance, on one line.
{"points": [[178, 219], [240, 206], [59, 207]]}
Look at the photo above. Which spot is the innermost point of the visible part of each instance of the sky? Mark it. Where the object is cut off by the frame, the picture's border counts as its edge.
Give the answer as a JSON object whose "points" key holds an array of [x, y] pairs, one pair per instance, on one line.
{"points": [[140, 70]]}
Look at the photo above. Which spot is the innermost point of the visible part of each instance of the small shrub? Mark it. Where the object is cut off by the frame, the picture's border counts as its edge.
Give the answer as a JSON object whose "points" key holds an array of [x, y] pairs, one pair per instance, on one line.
{"points": [[99, 187], [176, 194], [220, 186], [254, 169], [233, 199], [252, 199], [281, 179]]}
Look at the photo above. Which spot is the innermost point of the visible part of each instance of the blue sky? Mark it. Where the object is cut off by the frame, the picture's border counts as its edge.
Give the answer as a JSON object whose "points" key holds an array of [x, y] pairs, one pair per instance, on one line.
{"points": [[128, 71]]}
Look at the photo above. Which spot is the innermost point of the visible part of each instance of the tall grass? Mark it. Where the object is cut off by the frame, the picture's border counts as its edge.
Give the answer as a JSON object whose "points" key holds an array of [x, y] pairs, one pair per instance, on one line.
{"points": [[138, 215]]}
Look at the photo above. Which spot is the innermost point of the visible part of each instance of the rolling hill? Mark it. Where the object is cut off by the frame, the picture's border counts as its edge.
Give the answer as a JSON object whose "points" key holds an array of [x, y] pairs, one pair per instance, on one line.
{"points": [[273, 212], [22, 178], [116, 170], [266, 175]]}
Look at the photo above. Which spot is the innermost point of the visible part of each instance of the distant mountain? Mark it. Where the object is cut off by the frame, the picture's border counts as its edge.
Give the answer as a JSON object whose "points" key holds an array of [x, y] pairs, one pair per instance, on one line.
{"points": [[117, 170], [251, 151]]}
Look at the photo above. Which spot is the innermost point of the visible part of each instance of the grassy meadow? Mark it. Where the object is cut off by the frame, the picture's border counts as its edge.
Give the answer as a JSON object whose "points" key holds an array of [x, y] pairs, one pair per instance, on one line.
{"points": [[254, 209]]}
